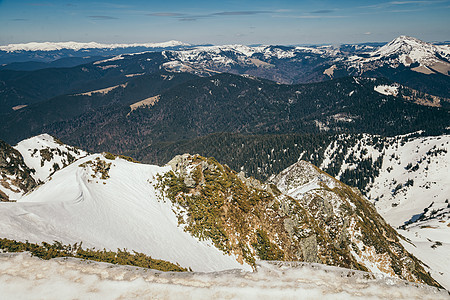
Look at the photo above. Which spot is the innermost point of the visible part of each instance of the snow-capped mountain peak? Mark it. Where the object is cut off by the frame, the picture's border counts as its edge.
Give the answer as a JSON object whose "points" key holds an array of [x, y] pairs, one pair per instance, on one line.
{"points": [[403, 44], [411, 50]]}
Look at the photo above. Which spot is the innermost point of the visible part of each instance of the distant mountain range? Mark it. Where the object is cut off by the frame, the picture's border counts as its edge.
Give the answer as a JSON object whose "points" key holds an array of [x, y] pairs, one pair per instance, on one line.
{"points": [[407, 61], [50, 51], [49, 46]]}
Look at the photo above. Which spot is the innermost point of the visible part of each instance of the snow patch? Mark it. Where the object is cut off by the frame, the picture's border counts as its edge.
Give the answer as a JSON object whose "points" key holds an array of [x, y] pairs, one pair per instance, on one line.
{"points": [[388, 90]]}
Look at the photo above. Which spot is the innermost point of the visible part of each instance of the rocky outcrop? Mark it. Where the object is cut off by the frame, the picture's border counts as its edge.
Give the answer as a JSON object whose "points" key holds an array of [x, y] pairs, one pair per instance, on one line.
{"points": [[303, 214], [15, 176], [350, 221]]}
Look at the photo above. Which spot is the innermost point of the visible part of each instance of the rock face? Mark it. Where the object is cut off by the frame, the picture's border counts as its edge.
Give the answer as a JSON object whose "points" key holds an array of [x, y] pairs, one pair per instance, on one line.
{"points": [[15, 176], [302, 214]]}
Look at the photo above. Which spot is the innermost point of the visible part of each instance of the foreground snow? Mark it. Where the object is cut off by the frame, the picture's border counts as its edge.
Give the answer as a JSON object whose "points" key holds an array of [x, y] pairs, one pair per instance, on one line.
{"points": [[25, 277]]}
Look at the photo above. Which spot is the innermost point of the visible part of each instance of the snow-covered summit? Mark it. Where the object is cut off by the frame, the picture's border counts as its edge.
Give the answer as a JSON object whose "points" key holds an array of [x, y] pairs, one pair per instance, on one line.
{"points": [[55, 46], [410, 50], [403, 51], [402, 44]]}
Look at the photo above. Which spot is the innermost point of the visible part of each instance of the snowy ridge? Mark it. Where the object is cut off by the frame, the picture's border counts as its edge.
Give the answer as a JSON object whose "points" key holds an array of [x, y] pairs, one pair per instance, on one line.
{"points": [[402, 50], [55, 46], [46, 155], [74, 278], [268, 61], [229, 55]]}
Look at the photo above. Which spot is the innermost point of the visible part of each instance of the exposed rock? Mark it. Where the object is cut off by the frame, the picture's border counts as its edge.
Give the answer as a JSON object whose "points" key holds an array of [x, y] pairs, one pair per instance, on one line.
{"points": [[179, 162], [309, 249], [350, 221], [15, 176]]}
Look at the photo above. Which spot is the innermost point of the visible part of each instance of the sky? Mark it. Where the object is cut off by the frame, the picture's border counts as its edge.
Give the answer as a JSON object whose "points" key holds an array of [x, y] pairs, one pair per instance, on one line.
{"points": [[282, 22]]}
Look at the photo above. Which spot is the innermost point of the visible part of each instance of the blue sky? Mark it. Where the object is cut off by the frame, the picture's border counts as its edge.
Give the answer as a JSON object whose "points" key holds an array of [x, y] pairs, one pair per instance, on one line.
{"points": [[223, 22]]}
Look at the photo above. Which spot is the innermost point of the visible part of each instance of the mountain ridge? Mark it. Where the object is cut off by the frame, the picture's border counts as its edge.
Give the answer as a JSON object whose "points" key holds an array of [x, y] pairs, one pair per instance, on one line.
{"points": [[222, 219]]}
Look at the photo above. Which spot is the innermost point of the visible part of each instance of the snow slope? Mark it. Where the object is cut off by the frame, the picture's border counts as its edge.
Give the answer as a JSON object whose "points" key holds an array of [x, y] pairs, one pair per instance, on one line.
{"points": [[413, 172], [414, 176], [25, 277], [123, 210], [430, 242]]}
